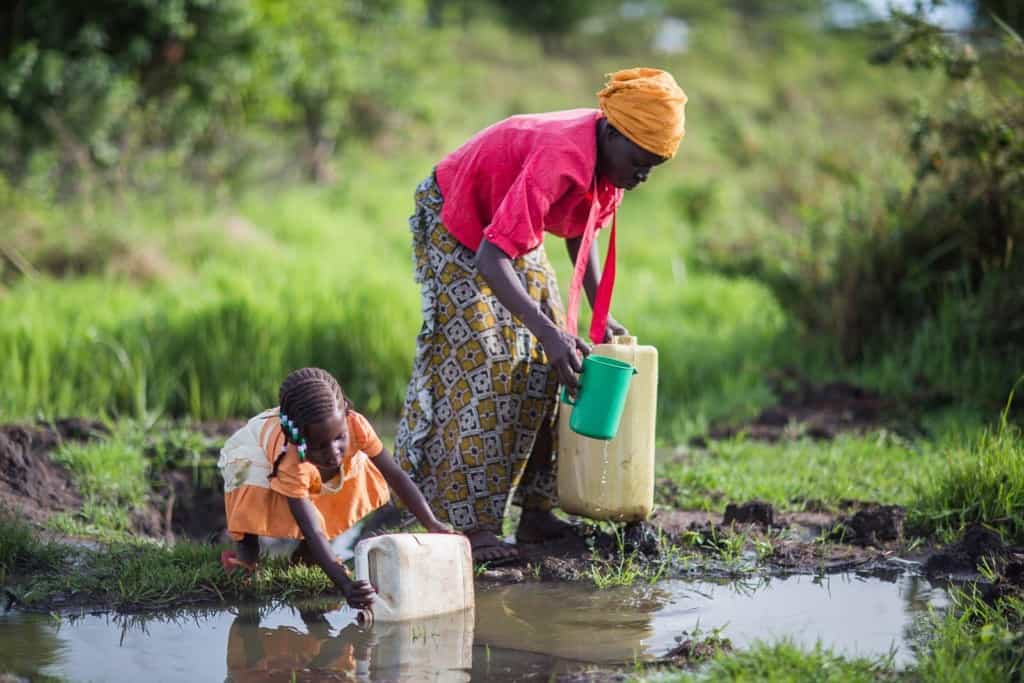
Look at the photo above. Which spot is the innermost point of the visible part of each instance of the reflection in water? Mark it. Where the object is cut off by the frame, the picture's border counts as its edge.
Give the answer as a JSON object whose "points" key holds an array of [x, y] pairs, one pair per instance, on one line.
{"points": [[529, 630], [569, 621], [435, 649], [257, 653]]}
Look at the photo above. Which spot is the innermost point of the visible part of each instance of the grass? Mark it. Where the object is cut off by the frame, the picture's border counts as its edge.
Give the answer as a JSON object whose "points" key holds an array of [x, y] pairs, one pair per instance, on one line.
{"points": [[625, 567], [111, 475], [133, 574], [878, 467], [781, 662], [21, 550], [972, 641], [976, 641], [206, 304], [980, 482]]}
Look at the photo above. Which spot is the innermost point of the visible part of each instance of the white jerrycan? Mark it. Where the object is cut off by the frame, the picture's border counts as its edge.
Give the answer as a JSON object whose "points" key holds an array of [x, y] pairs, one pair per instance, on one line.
{"points": [[416, 575], [614, 480]]}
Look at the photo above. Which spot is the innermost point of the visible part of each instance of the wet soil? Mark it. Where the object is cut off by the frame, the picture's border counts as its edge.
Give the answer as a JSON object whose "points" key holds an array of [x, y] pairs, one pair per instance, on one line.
{"points": [[823, 411], [747, 537], [31, 484], [188, 503], [187, 499], [980, 550]]}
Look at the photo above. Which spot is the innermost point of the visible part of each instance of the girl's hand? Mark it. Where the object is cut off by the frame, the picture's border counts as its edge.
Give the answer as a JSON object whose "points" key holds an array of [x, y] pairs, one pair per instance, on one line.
{"points": [[358, 594], [436, 526]]}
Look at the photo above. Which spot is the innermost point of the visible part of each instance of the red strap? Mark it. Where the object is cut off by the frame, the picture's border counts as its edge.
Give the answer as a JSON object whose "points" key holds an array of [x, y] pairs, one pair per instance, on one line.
{"points": [[604, 289], [603, 302]]}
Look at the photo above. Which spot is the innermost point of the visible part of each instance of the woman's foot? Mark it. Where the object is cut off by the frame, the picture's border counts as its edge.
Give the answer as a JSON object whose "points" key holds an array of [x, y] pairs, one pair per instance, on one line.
{"points": [[488, 548], [537, 526]]}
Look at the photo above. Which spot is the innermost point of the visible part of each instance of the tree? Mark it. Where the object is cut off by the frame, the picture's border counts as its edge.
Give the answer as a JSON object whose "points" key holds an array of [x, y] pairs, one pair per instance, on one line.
{"points": [[331, 66], [93, 79]]}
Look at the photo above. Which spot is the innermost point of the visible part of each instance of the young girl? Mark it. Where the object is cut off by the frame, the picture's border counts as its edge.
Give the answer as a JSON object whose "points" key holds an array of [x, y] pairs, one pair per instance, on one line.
{"points": [[310, 469]]}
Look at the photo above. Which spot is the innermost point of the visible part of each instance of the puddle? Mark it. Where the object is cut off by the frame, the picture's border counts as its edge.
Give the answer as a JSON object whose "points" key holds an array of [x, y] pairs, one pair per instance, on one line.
{"points": [[523, 630]]}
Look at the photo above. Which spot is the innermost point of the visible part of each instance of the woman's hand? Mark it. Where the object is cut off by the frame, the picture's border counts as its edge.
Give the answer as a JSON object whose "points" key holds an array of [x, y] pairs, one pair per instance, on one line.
{"points": [[358, 594], [613, 328], [564, 351]]}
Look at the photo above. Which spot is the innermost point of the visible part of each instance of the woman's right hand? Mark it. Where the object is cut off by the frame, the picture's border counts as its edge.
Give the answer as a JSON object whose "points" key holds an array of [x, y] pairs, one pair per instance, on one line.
{"points": [[564, 353], [358, 594]]}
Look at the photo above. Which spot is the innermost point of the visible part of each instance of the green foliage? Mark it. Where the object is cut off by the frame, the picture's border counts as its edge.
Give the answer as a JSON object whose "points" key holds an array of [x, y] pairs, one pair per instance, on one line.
{"points": [[981, 482], [878, 466], [781, 662], [21, 550], [132, 575], [548, 20], [337, 70], [111, 475], [107, 83], [975, 641], [913, 244]]}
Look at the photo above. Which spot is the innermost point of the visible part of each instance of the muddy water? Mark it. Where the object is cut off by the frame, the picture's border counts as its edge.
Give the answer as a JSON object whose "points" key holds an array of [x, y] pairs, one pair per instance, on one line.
{"points": [[519, 631]]}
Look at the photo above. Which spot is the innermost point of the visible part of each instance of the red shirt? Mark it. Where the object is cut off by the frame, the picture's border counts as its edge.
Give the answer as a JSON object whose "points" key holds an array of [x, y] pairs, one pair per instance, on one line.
{"points": [[523, 176]]}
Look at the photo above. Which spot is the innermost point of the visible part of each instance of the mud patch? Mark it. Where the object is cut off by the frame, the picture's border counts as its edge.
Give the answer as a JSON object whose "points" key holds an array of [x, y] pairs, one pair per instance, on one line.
{"points": [[753, 512], [30, 483], [978, 544], [817, 411], [695, 647], [874, 525]]}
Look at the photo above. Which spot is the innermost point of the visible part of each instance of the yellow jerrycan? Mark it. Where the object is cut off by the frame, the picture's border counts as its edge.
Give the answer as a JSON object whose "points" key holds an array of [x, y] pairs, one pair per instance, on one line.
{"points": [[614, 480], [416, 575]]}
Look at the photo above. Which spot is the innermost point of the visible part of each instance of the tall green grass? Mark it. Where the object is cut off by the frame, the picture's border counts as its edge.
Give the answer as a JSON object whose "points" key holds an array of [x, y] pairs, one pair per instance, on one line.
{"points": [[185, 305], [980, 481]]}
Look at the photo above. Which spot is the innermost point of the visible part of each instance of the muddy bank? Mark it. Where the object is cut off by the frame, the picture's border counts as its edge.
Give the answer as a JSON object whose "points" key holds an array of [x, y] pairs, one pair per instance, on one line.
{"points": [[31, 484], [739, 538], [745, 538], [186, 500], [823, 411]]}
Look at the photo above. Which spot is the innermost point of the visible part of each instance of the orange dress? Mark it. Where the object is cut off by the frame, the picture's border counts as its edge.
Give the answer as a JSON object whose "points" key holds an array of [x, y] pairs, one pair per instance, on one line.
{"points": [[257, 503]]}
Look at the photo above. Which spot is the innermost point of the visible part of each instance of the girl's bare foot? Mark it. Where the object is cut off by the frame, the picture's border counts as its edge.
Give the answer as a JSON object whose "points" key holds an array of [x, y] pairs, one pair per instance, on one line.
{"points": [[537, 526], [487, 547]]}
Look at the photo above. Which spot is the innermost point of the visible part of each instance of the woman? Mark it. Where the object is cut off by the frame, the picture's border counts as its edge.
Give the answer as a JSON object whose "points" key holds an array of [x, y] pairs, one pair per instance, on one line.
{"points": [[478, 414]]}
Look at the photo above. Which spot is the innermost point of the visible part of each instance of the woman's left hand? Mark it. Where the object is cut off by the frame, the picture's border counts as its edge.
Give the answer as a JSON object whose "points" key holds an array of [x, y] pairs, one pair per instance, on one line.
{"points": [[613, 328]]}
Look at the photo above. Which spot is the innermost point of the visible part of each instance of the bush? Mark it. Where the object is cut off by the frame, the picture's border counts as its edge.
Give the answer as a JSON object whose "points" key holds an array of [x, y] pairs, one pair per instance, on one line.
{"points": [[900, 251]]}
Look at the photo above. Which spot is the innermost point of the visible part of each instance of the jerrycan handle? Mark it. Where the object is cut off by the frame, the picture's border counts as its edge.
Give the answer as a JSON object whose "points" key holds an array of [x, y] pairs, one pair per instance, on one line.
{"points": [[362, 566]]}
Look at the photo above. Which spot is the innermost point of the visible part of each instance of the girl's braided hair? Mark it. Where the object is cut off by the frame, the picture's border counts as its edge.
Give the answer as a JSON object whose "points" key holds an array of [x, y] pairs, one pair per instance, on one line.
{"points": [[308, 396]]}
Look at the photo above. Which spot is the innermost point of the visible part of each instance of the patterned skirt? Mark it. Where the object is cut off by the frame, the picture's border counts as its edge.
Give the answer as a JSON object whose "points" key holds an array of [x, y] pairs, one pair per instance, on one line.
{"points": [[481, 387]]}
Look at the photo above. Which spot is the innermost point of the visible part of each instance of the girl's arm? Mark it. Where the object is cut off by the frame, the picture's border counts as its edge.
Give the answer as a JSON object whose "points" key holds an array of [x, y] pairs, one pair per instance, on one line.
{"points": [[359, 594], [405, 489]]}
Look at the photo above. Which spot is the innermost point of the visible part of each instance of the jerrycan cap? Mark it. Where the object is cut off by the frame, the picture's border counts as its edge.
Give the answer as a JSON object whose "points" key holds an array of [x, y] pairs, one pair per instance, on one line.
{"points": [[624, 340]]}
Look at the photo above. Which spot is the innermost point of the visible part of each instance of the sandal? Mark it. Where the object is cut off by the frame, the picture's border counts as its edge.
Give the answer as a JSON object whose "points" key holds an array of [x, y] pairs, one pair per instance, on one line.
{"points": [[494, 553]]}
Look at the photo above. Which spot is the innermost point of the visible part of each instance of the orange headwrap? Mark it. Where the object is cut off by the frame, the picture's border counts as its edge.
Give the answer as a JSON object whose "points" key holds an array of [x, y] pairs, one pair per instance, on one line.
{"points": [[648, 107]]}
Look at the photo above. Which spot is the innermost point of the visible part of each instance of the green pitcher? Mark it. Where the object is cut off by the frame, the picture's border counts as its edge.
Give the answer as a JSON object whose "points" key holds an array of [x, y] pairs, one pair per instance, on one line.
{"points": [[604, 384]]}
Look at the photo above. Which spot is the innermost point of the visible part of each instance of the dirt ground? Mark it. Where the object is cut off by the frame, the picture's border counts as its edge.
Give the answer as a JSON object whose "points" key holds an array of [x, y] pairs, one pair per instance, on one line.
{"points": [[31, 485], [823, 411], [188, 502]]}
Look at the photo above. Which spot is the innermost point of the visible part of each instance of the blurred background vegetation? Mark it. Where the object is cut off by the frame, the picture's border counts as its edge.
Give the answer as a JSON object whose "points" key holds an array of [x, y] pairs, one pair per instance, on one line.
{"points": [[198, 195]]}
